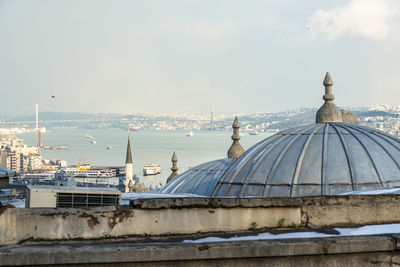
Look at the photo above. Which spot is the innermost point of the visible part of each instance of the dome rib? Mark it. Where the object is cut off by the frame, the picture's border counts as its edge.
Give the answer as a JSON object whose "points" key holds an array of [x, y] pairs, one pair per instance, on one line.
{"points": [[381, 146], [281, 155], [261, 155], [214, 178], [173, 183], [200, 180], [349, 160], [242, 161], [301, 157], [378, 172], [205, 174], [324, 158]]}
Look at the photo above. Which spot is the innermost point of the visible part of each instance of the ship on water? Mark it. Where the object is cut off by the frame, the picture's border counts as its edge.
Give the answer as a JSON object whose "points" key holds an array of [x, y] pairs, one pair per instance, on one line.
{"points": [[101, 173], [55, 147], [132, 128], [254, 132], [151, 168], [85, 170], [189, 134]]}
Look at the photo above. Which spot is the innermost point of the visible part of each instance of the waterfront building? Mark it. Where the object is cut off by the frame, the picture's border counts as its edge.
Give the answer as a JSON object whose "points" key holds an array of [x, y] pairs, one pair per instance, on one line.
{"points": [[34, 162], [15, 155], [10, 160]]}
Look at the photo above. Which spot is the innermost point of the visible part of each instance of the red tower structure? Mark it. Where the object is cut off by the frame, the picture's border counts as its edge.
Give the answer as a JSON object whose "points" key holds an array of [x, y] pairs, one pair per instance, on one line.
{"points": [[39, 139]]}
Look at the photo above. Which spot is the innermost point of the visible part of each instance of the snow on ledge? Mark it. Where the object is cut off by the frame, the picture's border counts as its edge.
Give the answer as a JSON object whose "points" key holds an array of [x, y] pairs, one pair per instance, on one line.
{"points": [[364, 230], [378, 191], [127, 197]]}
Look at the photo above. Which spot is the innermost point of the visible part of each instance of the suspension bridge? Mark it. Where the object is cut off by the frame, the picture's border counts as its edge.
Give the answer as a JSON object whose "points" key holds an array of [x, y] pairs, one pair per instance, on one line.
{"points": [[33, 111]]}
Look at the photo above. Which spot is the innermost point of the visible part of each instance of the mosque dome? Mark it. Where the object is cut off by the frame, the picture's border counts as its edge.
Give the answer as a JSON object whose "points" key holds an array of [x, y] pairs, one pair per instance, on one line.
{"points": [[199, 180], [334, 155], [319, 159]]}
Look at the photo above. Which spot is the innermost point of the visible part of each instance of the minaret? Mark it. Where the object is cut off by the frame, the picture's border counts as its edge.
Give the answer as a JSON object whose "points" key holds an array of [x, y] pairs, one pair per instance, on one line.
{"points": [[128, 166], [236, 149], [174, 168]]}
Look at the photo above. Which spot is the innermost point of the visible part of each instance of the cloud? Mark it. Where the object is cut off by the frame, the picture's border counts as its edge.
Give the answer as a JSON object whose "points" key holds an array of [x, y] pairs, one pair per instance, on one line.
{"points": [[367, 18]]}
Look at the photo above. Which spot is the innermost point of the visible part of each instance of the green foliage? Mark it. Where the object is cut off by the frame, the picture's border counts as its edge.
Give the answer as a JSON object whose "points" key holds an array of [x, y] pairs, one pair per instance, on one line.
{"points": [[253, 226], [281, 223]]}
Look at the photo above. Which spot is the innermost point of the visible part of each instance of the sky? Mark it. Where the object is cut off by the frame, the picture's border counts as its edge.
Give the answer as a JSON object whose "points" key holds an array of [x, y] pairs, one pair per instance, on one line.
{"points": [[176, 56]]}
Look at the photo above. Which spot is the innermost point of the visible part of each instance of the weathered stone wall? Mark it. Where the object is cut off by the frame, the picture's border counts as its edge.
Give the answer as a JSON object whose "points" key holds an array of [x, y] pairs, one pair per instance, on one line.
{"points": [[155, 217], [381, 250]]}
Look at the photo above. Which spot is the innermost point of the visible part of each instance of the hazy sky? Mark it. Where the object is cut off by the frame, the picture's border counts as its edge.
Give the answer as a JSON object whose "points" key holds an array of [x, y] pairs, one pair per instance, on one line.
{"points": [[179, 55]]}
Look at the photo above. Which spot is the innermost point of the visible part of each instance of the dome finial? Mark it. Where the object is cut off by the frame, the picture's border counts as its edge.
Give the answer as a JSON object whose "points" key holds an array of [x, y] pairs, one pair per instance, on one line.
{"points": [[328, 79], [329, 112], [328, 88], [236, 149], [174, 168]]}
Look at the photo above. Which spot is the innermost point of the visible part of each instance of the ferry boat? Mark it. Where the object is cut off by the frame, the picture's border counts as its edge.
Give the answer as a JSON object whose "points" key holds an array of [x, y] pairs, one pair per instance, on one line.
{"points": [[189, 134], [105, 173], [254, 133], [132, 128], [88, 136], [55, 147], [151, 168], [91, 173]]}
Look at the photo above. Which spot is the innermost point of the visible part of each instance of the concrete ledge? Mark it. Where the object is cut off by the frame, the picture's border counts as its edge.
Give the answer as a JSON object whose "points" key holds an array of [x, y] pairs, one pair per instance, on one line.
{"points": [[179, 203], [190, 216], [165, 252]]}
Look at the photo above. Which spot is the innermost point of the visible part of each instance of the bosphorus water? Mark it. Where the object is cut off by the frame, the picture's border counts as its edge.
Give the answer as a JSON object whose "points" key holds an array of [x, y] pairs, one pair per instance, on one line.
{"points": [[203, 146]]}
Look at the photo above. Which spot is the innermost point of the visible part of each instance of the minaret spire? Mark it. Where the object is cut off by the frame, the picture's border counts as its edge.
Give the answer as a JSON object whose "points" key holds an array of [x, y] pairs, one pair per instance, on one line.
{"points": [[128, 151], [174, 168], [236, 149], [129, 182]]}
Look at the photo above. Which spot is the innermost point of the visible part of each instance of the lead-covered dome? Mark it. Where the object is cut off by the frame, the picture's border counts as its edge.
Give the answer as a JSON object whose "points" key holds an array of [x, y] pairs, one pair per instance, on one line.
{"points": [[333, 156], [200, 180], [318, 159]]}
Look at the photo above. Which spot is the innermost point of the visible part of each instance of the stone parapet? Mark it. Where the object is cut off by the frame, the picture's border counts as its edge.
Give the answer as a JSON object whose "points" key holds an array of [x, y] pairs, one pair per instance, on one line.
{"points": [[332, 251], [193, 216]]}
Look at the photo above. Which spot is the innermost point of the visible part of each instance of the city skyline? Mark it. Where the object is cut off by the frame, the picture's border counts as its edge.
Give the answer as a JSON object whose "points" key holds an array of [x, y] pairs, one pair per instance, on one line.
{"points": [[176, 56]]}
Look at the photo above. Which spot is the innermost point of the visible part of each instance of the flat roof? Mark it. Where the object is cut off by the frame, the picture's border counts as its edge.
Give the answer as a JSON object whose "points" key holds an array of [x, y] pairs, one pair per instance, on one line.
{"points": [[89, 190]]}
